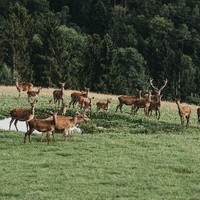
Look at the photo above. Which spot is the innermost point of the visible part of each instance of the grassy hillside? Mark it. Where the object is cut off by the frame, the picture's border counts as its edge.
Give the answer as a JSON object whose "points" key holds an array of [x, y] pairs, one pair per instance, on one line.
{"points": [[120, 156]]}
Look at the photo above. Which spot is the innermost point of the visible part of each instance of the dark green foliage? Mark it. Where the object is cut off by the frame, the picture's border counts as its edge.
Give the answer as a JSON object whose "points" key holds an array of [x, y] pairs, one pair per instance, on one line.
{"points": [[109, 46]]}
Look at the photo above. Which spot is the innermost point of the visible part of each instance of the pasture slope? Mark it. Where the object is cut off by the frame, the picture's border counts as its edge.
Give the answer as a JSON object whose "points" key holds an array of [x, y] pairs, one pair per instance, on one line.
{"points": [[118, 156]]}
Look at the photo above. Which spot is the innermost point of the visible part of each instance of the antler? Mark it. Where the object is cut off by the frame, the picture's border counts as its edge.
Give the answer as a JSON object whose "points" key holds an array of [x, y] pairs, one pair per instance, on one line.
{"points": [[151, 83], [158, 90], [165, 83]]}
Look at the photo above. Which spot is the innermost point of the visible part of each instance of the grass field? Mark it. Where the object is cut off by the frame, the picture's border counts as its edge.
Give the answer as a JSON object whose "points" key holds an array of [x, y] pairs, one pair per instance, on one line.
{"points": [[119, 157]]}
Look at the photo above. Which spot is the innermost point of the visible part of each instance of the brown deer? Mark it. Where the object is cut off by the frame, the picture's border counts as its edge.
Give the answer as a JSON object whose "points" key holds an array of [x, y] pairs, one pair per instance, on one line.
{"points": [[126, 100], [184, 112], [33, 94], [21, 87], [58, 95], [22, 114], [64, 123], [157, 90], [155, 105], [41, 125], [198, 114], [87, 104], [63, 109], [103, 105], [77, 97], [142, 103]]}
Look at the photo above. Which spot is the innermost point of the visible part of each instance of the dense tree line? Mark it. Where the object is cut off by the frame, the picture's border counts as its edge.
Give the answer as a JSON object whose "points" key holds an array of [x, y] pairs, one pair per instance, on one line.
{"points": [[111, 46]]}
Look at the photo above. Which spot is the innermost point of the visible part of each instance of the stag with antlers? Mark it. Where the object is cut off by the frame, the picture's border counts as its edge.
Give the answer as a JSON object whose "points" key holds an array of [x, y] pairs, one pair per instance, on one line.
{"points": [[157, 90]]}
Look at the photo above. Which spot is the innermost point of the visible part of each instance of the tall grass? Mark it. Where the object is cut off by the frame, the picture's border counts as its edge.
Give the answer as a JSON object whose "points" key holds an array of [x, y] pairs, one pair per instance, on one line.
{"points": [[119, 156]]}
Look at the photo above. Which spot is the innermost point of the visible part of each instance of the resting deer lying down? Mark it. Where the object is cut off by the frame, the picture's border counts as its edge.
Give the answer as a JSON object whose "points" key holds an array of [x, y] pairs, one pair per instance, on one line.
{"points": [[41, 125], [22, 114], [65, 123]]}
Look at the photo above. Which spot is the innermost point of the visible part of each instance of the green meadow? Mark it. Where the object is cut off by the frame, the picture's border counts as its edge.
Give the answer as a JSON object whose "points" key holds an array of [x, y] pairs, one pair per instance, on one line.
{"points": [[118, 156]]}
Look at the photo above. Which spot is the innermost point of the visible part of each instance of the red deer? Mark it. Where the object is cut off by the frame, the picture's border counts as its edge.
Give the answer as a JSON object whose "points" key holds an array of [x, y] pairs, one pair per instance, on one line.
{"points": [[142, 103], [32, 94], [58, 95], [64, 123], [41, 125], [126, 100], [22, 114], [21, 87], [184, 112], [87, 104], [78, 97], [155, 105], [104, 105]]}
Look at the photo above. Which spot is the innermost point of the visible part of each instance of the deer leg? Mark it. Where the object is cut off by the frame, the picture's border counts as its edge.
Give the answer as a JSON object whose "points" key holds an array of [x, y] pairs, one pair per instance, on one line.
{"points": [[187, 118], [135, 110], [158, 114], [19, 94], [42, 136], [25, 137], [27, 125], [49, 133], [117, 107], [15, 123], [11, 121]]}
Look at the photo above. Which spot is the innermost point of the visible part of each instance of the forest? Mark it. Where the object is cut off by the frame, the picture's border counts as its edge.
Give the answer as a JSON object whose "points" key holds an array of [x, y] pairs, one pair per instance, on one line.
{"points": [[110, 46]]}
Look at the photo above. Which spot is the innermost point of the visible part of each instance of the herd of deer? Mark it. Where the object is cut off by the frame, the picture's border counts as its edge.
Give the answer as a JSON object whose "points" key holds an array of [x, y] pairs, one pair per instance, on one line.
{"points": [[64, 124]]}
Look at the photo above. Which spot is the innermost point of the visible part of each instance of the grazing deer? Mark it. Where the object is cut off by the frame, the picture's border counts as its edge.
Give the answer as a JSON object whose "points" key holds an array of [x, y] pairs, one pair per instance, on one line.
{"points": [[198, 114], [77, 97], [155, 105], [58, 95], [184, 112], [142, 103], [21, 114], [157, 90], [21, 87], [32, 94], [41, 125]]}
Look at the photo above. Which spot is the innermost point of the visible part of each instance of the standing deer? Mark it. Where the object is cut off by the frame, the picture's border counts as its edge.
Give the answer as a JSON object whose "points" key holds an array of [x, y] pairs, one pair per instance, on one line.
{"points": [[104, 105], [142, 103], [21, 87], [58, 95], [78, 97], [41, 125], [155, 105], [127, 100], [22, 114], [33, 94], [87, 104], [184, 112], [65, 123]]}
